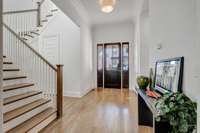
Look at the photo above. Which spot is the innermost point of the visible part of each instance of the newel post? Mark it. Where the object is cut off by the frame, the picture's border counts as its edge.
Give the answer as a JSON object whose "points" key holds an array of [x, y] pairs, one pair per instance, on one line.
{"points": [[38, 14], [59, 91]]}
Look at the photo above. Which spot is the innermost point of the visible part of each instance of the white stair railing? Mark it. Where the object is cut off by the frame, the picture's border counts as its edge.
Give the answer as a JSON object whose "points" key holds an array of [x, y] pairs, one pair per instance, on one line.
{"points": [[46, 77], [22, 22], [29, 23], [47, 9]]}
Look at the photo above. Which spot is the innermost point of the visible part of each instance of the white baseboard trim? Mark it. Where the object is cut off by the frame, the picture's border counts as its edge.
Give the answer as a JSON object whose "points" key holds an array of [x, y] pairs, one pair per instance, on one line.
{"points": [[77, 94], [85, 92], [72, 94]]}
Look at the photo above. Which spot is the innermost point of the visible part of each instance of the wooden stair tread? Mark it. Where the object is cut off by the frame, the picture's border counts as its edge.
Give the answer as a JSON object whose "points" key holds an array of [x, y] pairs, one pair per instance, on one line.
{"points": [[29, 35], [54, 10], [34, 121], [24, 38], [50, 15], [24, 109], [35, 32], [7, 62], [45, 20], [20, 97], [11, 69], [14, 77], [16, 86]]}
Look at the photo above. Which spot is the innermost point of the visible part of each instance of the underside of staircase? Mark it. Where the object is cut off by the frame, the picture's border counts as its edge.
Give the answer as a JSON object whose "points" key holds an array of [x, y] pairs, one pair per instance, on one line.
{"points": [[25, 110]]}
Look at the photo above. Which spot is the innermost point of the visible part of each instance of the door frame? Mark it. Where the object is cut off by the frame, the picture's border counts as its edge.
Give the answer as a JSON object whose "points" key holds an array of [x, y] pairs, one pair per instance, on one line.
{"points": [[111, 43]]}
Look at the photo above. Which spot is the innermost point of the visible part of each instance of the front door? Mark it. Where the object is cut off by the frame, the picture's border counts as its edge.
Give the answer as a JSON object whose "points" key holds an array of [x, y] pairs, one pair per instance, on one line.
{"points": [[112, 65]]}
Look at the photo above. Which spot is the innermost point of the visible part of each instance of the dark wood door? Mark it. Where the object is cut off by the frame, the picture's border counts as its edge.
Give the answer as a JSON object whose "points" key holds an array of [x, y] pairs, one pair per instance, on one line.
{"points": [[112, 65]]}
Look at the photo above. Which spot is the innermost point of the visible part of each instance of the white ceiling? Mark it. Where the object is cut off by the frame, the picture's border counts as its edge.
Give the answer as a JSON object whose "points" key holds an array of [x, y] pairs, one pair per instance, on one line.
{"points": [[123, 11]]}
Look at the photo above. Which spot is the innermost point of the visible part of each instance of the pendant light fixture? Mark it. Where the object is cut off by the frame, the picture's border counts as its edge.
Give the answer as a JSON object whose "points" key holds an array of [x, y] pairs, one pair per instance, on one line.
{"points": [[107, 6]]}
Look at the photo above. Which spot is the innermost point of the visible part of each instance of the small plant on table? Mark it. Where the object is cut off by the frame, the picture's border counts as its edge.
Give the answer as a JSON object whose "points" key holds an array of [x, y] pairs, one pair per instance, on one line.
{"points": [[179, 111]]}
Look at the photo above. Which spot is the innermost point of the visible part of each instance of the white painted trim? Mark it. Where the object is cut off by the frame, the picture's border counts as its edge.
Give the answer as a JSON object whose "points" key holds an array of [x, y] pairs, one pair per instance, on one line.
{"points": [[72, 94], [77, 94], [85, 92], [42, 48]]}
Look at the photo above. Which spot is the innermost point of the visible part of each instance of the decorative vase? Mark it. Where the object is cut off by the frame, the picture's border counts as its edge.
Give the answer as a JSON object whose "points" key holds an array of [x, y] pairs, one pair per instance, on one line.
{"points": [[143, 82], [151, 79]]}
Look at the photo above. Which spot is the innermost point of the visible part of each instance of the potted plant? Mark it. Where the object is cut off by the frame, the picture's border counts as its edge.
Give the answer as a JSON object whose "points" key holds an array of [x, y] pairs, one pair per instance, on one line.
{"points": [[143, 82], [179, 111]]}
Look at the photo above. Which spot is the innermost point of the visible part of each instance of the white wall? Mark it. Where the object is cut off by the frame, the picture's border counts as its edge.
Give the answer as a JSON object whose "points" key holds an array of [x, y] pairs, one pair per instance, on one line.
{"points": [[144, 43], [77, 13], [69, 51], [198, 44], [118, 32], [14, 5], [173, 25], [86, 59], [76, 49]]}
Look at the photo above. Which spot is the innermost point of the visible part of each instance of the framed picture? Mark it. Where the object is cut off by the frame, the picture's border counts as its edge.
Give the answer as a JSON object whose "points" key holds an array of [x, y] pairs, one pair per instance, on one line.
{"points": [[169, 75]]}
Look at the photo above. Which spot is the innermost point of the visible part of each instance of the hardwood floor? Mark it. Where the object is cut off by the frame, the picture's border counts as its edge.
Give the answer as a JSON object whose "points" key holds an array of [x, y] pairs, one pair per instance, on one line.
{"points": [[101, 111]]}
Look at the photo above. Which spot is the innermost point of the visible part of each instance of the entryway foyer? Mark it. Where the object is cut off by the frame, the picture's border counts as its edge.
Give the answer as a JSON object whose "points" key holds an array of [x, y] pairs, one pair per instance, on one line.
{"points": [[99, 66]]}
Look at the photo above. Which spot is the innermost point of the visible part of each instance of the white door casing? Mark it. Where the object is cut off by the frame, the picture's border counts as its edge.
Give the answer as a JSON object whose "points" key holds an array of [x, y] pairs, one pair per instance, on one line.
{"points": [[50, 48]]}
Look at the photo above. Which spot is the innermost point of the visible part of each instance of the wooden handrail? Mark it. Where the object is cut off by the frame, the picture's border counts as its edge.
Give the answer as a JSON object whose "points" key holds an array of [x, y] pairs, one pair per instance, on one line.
{"points": [[21, 11], [59, 91], [33, 50]]}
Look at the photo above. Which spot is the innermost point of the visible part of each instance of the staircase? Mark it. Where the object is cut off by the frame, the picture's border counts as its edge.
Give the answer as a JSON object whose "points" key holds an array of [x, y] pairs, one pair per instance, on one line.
{"points": [[28, 24], [32, 86]]}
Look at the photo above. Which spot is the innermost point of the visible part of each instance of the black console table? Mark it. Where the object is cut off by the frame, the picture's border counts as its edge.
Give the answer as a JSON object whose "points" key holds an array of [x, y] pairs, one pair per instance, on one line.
{"points": [[147, 113]]}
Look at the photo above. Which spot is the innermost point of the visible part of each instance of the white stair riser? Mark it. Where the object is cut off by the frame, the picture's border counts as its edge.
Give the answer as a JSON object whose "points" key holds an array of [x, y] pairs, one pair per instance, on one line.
{"points": [[20, 103], [11, 73], [13, 123], [9, 66], [43, 124], [6, 60], [14, 81], [17, 91]]}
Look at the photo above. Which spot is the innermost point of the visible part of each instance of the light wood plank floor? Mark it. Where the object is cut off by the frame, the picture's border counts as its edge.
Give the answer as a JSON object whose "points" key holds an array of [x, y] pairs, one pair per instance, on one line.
{"points": [[101, 111]]}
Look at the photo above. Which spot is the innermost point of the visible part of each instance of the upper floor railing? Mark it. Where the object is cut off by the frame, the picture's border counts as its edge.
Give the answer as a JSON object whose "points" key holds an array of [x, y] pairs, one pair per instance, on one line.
{"points": [[28, 23]]}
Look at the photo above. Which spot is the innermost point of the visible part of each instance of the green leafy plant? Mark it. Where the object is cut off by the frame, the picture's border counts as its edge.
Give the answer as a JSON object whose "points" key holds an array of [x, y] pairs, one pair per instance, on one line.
{"points": [[143, 82], [179, 111]]}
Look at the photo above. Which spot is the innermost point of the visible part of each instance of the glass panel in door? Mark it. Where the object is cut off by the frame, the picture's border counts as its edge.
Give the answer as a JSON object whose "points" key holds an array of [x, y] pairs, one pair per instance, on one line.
{"points": [[100, 65], [125, 64]]}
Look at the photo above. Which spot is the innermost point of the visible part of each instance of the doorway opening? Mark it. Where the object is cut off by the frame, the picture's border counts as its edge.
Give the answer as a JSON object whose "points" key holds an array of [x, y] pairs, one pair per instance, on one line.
{"points": [[113, 65]]}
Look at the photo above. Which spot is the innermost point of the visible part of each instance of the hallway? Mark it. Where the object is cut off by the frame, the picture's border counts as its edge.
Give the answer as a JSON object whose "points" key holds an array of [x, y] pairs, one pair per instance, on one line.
{"points": [[108, 111]]}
